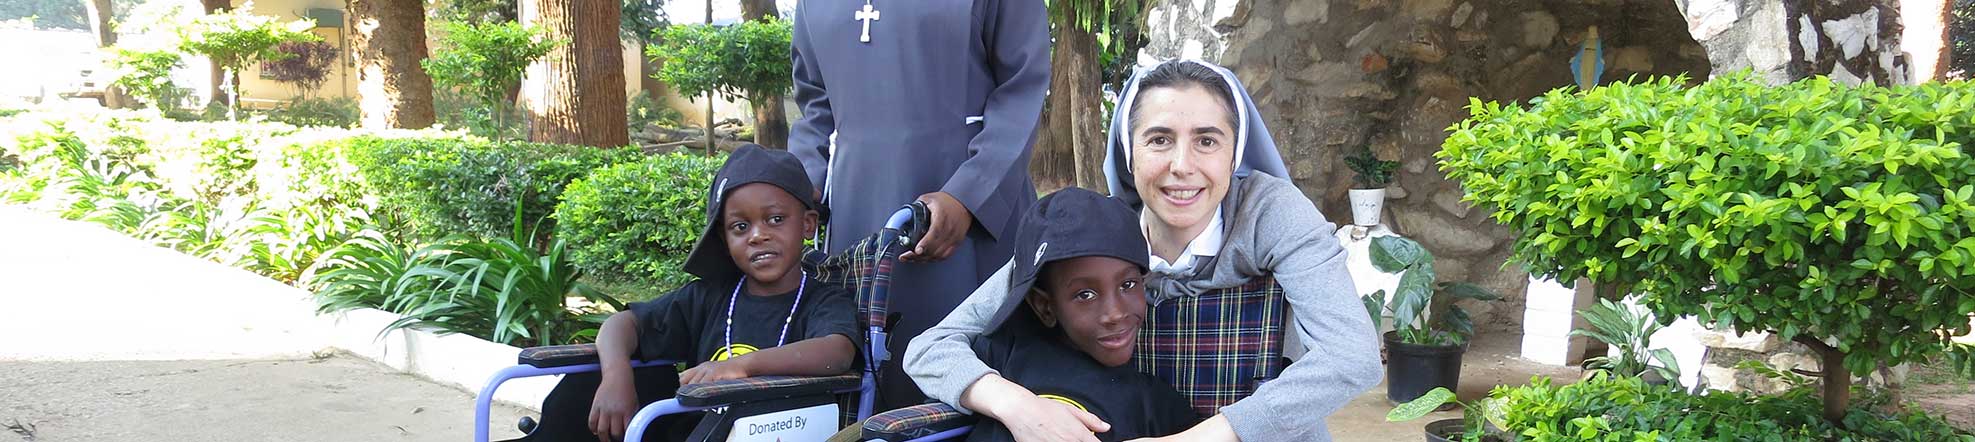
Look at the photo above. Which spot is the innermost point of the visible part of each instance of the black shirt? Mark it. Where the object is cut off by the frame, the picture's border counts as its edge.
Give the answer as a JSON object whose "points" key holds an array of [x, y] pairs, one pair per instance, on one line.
{"points": [[1042, 360], [690, 324]]}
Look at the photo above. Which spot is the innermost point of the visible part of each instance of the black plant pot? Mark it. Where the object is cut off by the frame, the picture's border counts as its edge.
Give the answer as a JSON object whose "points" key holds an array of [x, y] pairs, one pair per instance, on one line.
{"points": [[1411, 369], [1445, 430]]}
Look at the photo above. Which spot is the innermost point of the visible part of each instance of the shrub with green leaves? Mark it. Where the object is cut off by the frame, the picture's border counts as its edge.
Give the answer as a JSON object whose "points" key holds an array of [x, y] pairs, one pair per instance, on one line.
{"points": [[1842, 217], [741, 60], [485, 60], [638, 220], [237, 37], [327, 112], [147, 75], [1627, 409], [436, 187]]}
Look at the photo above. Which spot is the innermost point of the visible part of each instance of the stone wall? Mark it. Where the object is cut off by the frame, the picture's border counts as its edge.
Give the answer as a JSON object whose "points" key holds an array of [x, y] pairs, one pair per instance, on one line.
{"points": [[1331, 76]]}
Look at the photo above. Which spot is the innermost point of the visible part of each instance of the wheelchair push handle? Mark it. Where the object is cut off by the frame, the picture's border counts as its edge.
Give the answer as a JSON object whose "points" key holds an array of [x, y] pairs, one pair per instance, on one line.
{"points": [[911, 223]]}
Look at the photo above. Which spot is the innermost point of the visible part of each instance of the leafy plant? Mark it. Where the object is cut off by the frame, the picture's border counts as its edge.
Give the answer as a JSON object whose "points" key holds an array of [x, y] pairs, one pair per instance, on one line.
{"points": [[368, 270], [1477, 417], [1625, 409], [485, 60], [1630, 331], [1369, 171], [642, 111], [307, 64], [236, 37], [638, 220], [147, 74], [1423, 311], [328, 112], [435, 187], [745, 59], [1836, 216]]}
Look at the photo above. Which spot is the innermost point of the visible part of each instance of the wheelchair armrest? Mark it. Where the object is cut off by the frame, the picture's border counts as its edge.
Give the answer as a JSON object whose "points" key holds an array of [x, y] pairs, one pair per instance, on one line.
{"points": [[558, 355], [707, 394], [914, 422]]}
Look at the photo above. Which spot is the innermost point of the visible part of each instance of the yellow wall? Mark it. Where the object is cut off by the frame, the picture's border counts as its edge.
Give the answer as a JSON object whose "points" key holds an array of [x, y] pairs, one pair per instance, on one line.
{"points": [[260, 92]]}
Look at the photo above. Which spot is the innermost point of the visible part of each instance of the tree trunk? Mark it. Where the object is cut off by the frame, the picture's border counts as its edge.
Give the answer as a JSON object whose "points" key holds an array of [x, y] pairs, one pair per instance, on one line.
{"points": [[216, 82], [771, 120], [1082, 84], [584, 100], [1070, 148], [392, 89], [100, 12], [1836, 380]]}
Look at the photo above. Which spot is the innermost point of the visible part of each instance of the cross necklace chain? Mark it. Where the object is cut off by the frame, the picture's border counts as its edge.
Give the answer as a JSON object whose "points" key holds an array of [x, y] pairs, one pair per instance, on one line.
{"points": [[866, 15]]}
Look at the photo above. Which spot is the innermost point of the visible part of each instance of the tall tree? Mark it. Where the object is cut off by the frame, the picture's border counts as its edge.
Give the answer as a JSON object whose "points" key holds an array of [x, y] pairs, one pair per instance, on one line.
{"points": [[217, 80], [771, 119], [392, 90], [641, 21], [584, 100], [1094, 39], [100, 12]]}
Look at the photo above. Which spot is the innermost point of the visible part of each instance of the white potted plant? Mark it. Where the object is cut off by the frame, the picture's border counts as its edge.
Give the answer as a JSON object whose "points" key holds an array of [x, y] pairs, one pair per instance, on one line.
{"points": [[1372, 175]]}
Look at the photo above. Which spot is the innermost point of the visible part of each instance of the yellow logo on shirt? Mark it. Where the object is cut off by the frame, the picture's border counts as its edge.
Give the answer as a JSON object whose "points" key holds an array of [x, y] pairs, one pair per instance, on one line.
{"points": [[1065, 401], [729, 352]]}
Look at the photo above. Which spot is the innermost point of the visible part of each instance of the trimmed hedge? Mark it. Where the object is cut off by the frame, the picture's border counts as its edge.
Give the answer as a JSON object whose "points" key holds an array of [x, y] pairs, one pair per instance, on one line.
{"points": [[638, 220], [434, 187]]}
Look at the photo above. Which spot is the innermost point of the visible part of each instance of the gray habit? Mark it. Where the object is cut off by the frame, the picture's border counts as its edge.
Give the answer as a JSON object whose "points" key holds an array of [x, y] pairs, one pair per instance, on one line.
{"points": [[945, 96]]}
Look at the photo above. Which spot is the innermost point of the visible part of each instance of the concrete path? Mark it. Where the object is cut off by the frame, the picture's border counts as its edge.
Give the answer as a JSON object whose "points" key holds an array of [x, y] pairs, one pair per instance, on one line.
{"points": [[335, 398]]}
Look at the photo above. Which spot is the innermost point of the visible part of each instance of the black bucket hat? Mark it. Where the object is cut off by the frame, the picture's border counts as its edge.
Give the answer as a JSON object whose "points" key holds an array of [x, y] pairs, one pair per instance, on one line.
{"points": [[1074, 223], [747, 165]]}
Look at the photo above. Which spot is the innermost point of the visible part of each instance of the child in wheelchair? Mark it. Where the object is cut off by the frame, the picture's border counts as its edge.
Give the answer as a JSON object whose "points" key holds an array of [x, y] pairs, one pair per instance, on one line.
{"points": [[753, 311], [1081, 261]]}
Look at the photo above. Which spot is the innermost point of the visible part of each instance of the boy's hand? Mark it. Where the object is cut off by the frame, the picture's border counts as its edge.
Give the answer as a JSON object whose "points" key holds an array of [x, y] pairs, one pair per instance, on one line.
{"points": [[611, 411], [948, 226], [714, 371]]}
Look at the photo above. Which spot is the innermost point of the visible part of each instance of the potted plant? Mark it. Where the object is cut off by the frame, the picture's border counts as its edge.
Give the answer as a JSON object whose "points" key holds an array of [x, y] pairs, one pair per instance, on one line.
{"points": [[1628, 330], [1480, 421], [1429, 333], [1373, 175]]}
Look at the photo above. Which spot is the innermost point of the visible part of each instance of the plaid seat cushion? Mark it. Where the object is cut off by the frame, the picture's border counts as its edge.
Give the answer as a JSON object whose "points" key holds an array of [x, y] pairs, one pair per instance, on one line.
{"points": [[558, 355], [914, 422], [1216, 348], [763, 388]]}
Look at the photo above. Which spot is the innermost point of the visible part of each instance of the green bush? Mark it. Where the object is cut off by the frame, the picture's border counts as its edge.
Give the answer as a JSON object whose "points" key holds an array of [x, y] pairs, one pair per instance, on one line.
{"points": [[638, 220], [1838, 216], [485, 61], [740, 60], [1626, 409], [306, 112], [147, 75], [436, 187], [236, 37]]}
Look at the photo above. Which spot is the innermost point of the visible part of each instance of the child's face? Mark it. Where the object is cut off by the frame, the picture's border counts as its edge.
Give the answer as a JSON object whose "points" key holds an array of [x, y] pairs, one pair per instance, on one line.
{"points": [[764, 227], [1099, 302]]}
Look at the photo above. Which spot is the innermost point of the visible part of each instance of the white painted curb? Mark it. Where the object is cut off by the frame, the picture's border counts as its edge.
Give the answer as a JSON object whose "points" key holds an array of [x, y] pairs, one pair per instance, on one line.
{"points": [[457, 360]]}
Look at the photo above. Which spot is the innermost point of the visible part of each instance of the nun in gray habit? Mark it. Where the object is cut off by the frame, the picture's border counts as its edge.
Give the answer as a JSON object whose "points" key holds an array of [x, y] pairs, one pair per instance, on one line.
{"points": [[931, 100]]}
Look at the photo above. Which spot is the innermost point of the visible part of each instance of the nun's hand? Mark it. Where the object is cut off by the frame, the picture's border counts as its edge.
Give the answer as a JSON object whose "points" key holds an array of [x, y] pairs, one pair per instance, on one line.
{"points": [[948, 226]]}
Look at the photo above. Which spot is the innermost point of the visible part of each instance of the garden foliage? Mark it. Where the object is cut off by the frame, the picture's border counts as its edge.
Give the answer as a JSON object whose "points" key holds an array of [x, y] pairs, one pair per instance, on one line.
{"points": [[745, 59], [1830, 213], [485, 60], [432, 187], [638, 220]]}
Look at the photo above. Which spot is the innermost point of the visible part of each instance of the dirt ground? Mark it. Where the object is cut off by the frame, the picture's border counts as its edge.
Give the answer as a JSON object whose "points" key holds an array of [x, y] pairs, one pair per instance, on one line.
{"points": [[336, 398]]}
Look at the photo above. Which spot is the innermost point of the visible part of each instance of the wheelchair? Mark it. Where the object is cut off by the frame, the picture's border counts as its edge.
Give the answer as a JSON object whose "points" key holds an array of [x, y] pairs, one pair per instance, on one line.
{"points": [[1215, 348], [768, 407]]}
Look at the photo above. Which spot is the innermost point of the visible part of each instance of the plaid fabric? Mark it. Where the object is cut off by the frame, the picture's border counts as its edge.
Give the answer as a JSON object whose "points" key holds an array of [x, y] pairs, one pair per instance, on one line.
{"points": [[862, 270], [913, 422], [558, 355], [714, 390], [1216, 348]]}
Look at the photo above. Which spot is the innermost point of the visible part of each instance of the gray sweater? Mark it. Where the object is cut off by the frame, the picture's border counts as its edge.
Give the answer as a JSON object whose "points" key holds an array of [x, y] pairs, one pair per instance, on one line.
{"points": [[1271, 229]]}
